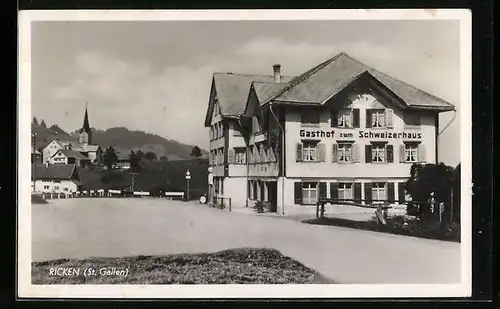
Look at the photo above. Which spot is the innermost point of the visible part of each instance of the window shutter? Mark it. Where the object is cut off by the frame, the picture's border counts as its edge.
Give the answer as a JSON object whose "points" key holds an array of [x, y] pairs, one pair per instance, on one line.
{"points": [[298, 192], [250, 155], [263, 157], [401, 192], [390, 192], [402, 153], [368, 118], [334, 190], [299, 152], [388, 117], [390, 153], [321, 152], [368, 193], [333, 118], [322, 189], [355, 153], [355, 118], [211, 133], [230, 156], [368, 153], [335, 153], [262, 188], [421, 153], [357, 192]]}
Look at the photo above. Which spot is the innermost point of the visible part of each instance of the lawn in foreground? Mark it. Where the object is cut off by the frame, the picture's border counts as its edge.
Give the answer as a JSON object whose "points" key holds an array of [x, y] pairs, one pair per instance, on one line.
{"points": [[234, 266]]}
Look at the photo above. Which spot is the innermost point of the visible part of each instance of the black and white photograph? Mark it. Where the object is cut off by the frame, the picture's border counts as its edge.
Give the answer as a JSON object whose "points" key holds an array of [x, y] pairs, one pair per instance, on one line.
{"points": [[238, 154]]}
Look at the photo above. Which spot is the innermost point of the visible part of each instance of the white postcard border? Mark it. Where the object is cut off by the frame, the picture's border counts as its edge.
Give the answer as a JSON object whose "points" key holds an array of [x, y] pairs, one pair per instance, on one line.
{"points": [[26, 289]]}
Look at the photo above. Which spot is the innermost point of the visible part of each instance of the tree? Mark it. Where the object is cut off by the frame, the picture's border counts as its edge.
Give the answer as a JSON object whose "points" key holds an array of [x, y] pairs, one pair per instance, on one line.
{"points": [[150, 156], [164, 158], [424, 179], [109, 157], [134, 162], [196, 152], [140, 154], [35, 121], [43, 124]]}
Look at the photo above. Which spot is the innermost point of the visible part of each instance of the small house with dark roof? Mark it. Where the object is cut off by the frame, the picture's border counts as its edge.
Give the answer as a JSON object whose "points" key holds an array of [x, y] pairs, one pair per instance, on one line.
{"points": [[340, 130], [66, 156], [36, 155], [56, 178]]}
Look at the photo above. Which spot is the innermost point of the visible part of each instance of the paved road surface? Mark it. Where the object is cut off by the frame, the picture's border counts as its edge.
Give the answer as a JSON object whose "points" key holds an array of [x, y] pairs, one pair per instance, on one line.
{"points": [[78, 228]]}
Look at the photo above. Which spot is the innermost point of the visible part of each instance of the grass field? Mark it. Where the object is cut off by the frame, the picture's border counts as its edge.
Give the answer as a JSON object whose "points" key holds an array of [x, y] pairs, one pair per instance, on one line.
{"points": [[234, 266]]}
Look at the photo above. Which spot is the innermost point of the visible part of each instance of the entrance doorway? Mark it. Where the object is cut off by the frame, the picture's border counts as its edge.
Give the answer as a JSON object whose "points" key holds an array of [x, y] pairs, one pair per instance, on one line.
{"points": [[272, 195]]}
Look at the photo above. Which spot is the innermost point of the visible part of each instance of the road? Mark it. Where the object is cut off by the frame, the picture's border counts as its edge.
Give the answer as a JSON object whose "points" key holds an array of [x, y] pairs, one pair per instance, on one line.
{"points": [[79, 228]]}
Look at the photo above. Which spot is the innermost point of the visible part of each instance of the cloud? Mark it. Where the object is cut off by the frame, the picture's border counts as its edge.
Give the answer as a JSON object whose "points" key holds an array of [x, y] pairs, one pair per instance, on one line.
{"points": [[172, 100]]}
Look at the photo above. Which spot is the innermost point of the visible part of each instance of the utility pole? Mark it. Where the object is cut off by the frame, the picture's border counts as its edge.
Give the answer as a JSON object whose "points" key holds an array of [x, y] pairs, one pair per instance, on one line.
{"points": [[133, 181]]}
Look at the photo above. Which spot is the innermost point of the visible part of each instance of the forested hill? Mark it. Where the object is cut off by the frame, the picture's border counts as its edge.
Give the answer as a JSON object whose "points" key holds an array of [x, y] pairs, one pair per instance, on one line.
{"points": [[121, 138]]}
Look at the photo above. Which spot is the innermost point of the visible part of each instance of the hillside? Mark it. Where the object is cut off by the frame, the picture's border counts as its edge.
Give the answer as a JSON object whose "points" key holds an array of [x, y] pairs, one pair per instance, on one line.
{"points": [[169, 176], [122, 139]]}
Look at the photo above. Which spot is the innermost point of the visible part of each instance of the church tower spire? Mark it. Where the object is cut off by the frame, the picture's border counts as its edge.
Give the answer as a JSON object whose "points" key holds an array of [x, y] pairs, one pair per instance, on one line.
{"points": [[85, 137]]}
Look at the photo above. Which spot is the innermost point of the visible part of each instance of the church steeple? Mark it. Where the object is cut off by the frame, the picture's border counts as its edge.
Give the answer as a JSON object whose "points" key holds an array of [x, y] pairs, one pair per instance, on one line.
{"points": [[85, 137]]}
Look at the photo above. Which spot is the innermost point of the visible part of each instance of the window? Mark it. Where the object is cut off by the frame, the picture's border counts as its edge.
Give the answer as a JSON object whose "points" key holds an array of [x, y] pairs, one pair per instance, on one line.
{"points": [[345, 119], [309, 193], [345, 152], [46, 187], [309, 117], [378, 152], [239, 156], [309, 151], [57, 181], [411, 152], [379, 191], [65, 189], [378, 117], [56, 188], [345, 191], [216, 132]]}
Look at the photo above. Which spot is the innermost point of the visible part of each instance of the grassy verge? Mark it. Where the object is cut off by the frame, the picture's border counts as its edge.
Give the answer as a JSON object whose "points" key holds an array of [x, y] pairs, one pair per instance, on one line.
{"points": [[396, 226], [37, 199], [234, 266]]}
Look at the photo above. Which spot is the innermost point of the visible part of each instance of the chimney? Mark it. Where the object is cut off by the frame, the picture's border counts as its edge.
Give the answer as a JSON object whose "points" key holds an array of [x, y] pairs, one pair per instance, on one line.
{"points": [[277, 73]]}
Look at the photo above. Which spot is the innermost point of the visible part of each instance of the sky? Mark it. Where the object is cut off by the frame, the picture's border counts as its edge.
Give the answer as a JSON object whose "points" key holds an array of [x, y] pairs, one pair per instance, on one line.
{"points": [[155, 76]]}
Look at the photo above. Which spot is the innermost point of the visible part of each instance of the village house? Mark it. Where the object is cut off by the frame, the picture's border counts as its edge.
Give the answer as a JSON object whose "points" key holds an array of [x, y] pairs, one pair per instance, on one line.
{"points": [[56, 178], [340, 130], [67, 156], [36, 155], [92, 153]]}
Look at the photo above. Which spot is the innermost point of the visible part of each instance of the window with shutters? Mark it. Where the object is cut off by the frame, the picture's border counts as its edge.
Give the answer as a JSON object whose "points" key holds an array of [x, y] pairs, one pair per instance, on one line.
{"points": [[46, 187], [345, 119], [309, 117], [345, 191], [411, 152], [378, 153], [309, 151], [239, 155], [345, 152], [379, 191], [377, 118], [309, 193]]}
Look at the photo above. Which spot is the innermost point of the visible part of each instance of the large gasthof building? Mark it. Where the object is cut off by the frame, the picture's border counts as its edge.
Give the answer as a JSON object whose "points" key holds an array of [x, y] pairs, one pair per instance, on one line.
{"points": [[340, 130]]}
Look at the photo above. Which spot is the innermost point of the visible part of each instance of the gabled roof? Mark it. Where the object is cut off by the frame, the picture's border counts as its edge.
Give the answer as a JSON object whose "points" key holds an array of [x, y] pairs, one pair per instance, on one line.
{"points": [[92, 148], [74, 145], [71, 154], [325, 80], [54, 171], [232, 91]]}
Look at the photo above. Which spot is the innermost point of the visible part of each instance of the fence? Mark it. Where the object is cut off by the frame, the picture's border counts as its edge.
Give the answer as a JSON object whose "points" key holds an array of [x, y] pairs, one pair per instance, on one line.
{"points": [[440, 211], [221, 202], [102, 193]]}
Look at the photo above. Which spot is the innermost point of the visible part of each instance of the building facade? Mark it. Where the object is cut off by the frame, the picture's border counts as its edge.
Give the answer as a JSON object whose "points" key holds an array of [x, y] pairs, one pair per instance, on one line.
{"points": [[341, 130], [56, 178]]}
